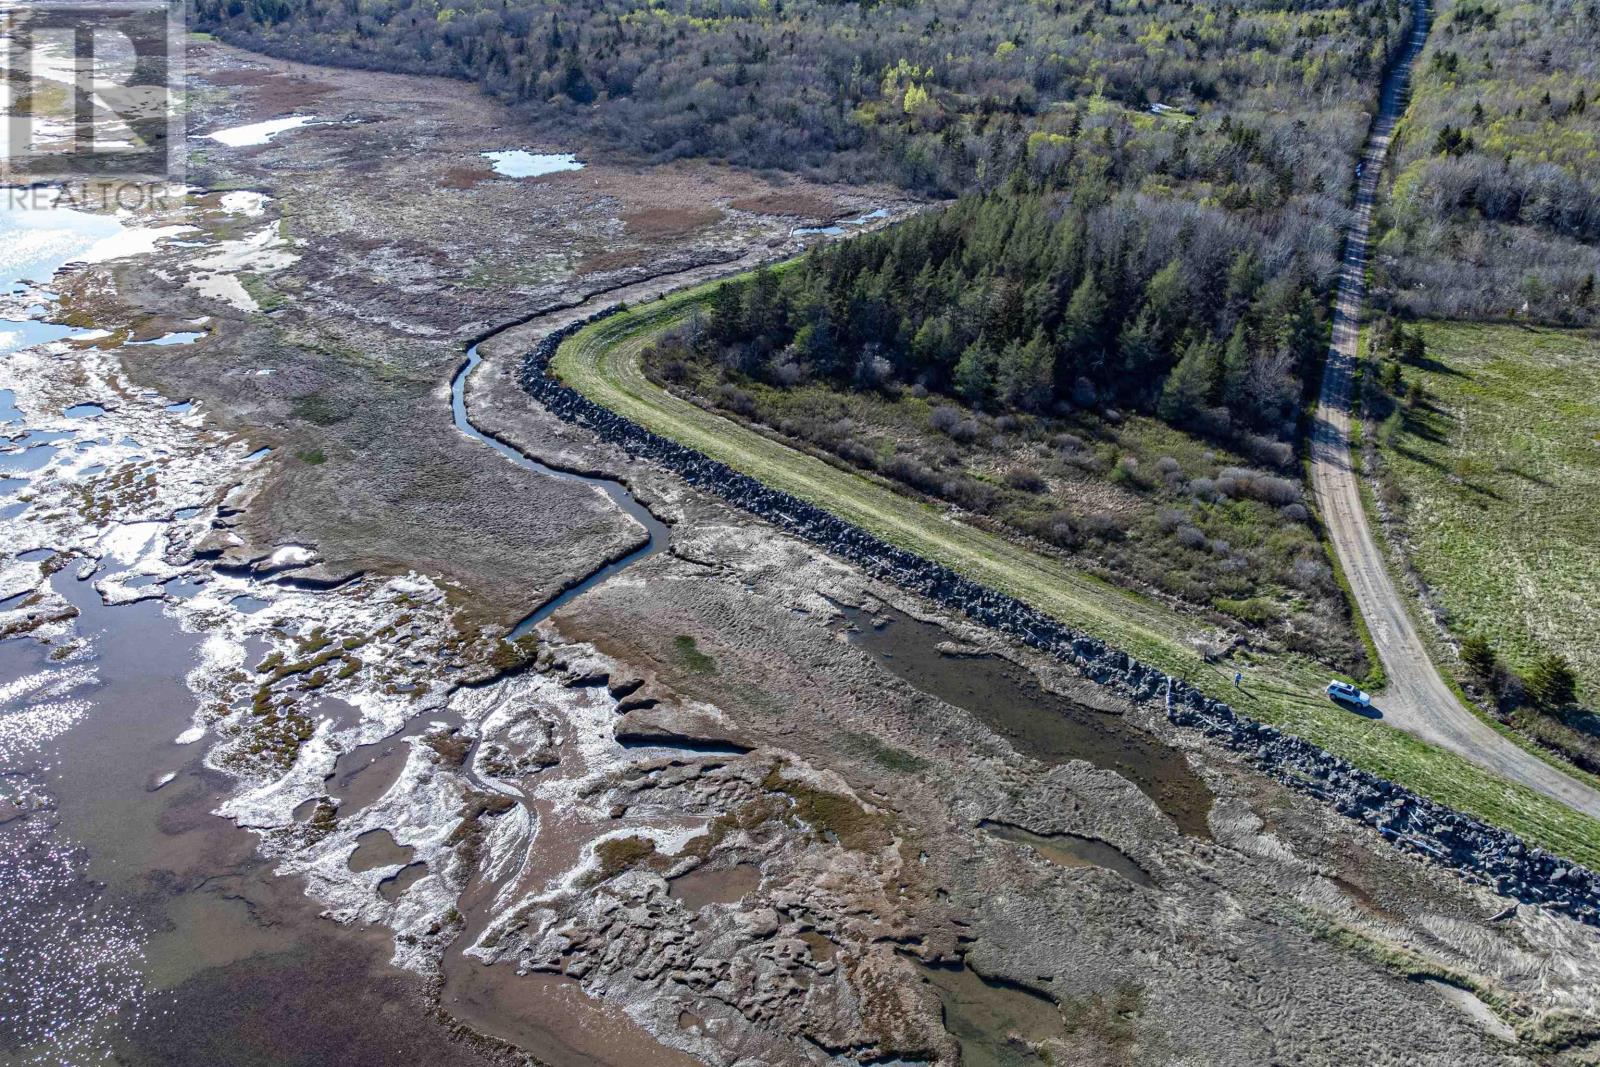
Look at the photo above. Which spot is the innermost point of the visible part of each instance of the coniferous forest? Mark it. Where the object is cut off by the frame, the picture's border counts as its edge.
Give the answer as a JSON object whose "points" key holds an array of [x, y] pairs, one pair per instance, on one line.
{"points": [[1006, 302]]}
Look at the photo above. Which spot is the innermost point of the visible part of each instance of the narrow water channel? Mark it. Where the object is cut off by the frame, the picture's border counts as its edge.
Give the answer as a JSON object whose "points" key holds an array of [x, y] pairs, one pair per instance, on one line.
{"points": [[656, 530], [1038, 724]]}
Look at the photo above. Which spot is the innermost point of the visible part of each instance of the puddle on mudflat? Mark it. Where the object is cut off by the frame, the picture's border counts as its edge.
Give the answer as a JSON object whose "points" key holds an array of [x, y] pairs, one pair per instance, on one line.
{"points": [[246, 604], [366, 772], [182, 587], [987, 1018], [551, 1018], [47, 437], [84, 411], [378, 848], [181, 337], [838, 228], [340, 714], [18, 334], [1041, 725], [394, 887], [257, 132], [1070, 850], [27, 460], [822, 949], [715, 885], [371, 770], [518, 163]]}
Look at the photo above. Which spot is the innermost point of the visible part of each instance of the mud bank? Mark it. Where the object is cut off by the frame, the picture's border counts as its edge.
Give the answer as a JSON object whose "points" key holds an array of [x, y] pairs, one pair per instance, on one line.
{"points": [[1479, 852]]}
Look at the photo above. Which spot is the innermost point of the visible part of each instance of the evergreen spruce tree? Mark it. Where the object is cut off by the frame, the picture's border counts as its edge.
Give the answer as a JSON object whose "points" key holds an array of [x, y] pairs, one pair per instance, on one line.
{"points": [[1551, 681], [1236, 359], [975, 373], [1190, 385]]}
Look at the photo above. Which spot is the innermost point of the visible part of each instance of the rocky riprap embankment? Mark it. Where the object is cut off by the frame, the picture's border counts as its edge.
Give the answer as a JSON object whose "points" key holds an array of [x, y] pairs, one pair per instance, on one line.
{"points": [[1478, 851]]}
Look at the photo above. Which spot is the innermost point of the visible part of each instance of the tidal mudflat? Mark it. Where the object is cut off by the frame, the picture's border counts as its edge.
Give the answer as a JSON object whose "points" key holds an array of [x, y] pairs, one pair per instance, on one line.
{"points": [[131, 906], [266, 755], [1039, 724], [190, 707]]}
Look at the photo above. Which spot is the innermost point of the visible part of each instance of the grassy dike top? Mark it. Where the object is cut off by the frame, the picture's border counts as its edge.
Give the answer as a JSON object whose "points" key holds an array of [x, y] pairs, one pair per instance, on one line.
{"points": [[602, 362]]}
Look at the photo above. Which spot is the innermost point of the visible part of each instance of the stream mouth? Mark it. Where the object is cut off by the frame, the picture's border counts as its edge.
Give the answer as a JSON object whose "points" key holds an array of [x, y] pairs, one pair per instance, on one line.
{"points": [[657, 533]]}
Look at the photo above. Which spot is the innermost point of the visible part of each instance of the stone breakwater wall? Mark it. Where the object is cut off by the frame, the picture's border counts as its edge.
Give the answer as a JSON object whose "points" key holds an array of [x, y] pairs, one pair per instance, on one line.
{"points": [[1479, 852]]}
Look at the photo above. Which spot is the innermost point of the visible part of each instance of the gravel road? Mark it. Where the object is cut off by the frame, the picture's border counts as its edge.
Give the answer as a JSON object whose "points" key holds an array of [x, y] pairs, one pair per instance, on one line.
{"points": [[1417, 699]]}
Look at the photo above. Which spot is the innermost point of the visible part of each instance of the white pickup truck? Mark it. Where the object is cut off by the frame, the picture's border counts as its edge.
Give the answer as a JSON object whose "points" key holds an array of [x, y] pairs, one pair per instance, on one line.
{"points": [[1345, 693]]}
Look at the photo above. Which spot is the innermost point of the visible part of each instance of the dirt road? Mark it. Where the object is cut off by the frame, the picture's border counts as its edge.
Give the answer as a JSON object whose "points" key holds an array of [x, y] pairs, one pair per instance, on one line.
{"points": [[1417, 699]]}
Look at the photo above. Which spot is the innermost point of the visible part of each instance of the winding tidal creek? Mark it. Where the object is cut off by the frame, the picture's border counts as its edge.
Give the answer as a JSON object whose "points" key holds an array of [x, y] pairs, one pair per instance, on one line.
{"points": [[206, 857], [656, 532]]}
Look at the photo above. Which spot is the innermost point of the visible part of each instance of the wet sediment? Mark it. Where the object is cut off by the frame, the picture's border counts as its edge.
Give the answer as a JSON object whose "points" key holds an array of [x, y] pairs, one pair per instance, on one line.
{"points": [[1072, 850], [1477, 851], [1038, 724]]}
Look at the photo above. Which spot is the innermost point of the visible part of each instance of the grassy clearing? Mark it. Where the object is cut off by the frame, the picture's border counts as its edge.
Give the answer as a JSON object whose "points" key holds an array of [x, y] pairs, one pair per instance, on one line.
{"points": [[602, 362], [1556, 740], [1499, 474]]}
